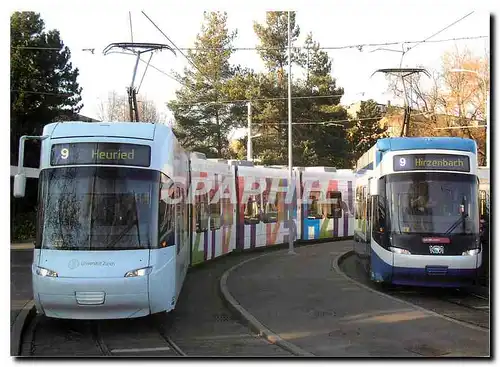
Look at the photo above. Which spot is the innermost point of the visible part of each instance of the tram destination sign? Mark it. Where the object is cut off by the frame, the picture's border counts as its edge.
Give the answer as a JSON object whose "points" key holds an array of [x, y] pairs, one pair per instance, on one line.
{"points": [[101, 153], [432, 162]]}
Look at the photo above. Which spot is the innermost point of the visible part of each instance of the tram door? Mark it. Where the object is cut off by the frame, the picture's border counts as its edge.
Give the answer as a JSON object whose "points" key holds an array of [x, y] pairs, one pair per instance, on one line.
{"points": [[369, 219]]}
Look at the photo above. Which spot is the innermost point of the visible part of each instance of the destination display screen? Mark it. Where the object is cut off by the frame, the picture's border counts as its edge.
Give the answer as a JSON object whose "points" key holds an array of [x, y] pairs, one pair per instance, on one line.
{"points": [[101, 153], [432, 162]]}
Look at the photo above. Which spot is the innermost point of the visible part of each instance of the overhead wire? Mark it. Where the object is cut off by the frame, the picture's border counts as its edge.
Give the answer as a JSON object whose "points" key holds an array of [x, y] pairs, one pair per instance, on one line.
{"points": [[144, 74], [177, 48], [327, 123], [258, 99], [358, 46], [343, 47], [440, 31], [42, 93]]}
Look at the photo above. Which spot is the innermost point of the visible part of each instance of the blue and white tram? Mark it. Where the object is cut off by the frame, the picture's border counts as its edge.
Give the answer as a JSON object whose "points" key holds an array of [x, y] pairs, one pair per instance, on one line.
{"points": [[113, 225], [417, 212]]}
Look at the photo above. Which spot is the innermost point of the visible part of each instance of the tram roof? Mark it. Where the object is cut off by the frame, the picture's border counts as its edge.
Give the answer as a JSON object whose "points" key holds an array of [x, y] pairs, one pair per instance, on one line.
{"points": [[445, 143], [133, 130], [372, 157]]}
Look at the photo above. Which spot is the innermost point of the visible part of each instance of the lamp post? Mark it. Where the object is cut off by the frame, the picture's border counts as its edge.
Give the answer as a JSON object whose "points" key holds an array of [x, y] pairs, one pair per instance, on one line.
{"points": [[486, 111], [290, 167], [249, 133]]}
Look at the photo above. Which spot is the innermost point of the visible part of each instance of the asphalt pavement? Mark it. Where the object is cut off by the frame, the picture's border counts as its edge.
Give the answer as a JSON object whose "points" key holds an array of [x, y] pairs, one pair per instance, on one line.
{"points": [[305, 300], [21, 292]]}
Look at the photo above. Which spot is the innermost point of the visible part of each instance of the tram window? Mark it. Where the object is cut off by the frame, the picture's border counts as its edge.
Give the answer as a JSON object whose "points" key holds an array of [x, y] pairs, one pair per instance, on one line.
{"points": [[482, 203], [201, 213], [314, 206], [368, 207], [356, 210], [270, 208], [215, 217], [215, 208], [362, 203], [253, 210], [378, 225], [359, 204], [166, 213], [227, 212], [334, 206], [180, 215], [280, 203]]}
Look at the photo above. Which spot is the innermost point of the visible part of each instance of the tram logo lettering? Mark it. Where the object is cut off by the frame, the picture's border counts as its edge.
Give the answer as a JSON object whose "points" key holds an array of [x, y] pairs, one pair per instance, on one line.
{"points": [[97, 154], [97, 263], [420, 162], [203, 191]]}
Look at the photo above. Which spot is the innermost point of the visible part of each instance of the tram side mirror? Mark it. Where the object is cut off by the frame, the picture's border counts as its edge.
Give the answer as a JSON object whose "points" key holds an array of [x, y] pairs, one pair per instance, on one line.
{"points": [[463, 207], [19, 185]]}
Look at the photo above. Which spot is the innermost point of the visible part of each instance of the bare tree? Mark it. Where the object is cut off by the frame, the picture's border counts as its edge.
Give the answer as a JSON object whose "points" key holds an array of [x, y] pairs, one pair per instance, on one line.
{"points": [[454, 104], [117, 109]]}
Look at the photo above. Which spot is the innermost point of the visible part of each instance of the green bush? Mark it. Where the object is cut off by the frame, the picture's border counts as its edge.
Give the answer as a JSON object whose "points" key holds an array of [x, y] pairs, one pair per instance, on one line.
{"points": [[23, 227]]}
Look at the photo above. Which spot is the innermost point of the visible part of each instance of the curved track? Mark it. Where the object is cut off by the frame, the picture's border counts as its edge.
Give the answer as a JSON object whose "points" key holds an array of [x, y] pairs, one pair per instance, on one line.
{"points": [[138, 337], [201, 325], [462, 305]]}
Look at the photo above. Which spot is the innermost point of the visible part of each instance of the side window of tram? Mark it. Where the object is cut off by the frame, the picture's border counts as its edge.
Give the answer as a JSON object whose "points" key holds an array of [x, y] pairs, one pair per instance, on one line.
{"points": [[166, 213], [201, 212], [270, 203], [215, 208], [315, 211], [482, 203], [356, 204], [253, 209], [359, 202], [334, 205], [378, 218], [227, 212]]}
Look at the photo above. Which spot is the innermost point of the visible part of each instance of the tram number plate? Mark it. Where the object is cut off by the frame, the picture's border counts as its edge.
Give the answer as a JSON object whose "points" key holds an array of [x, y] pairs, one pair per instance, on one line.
{"points": [[436, 250]]}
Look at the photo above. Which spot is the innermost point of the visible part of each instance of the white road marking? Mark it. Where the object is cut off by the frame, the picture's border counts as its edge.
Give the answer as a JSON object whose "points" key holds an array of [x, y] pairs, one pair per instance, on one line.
{"points": [[481, 306], [139, 350], [22, 246]]}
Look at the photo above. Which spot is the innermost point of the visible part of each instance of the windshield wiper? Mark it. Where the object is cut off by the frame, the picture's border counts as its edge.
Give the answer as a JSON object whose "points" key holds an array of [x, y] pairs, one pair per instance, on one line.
{"points": [[132, 225], [457, 223], [460, 220]]}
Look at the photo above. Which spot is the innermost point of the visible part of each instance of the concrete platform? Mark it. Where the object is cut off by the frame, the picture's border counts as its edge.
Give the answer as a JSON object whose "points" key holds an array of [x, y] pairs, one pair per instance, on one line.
{"points": [[304, 303]]}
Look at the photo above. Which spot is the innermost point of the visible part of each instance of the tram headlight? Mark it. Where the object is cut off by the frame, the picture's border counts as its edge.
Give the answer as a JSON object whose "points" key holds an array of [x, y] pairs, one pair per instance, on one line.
{"points": [[472, 252], [138, 272], [46, 272], [398, 250]]}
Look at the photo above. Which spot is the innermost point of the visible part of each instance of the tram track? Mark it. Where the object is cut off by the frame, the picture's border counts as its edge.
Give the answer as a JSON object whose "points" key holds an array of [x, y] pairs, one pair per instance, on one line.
{"points": [[96, 334], [462, 305], [200, 326], [98, 338]]}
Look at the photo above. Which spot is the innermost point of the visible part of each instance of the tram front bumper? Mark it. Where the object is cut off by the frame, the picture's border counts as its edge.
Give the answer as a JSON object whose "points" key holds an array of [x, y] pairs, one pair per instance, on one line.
{"points": [[435, 271], [91, 298]]}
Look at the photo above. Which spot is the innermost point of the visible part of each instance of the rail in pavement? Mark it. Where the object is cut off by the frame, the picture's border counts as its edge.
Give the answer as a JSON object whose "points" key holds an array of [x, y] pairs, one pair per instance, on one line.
{"points": [[22, 306], [304, 300]]}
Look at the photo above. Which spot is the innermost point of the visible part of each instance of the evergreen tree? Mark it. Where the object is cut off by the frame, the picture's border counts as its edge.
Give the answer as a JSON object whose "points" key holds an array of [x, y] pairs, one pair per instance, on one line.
{"points": [[203, 126], [43, 82], [273, 49], [328, 139], [366, 130]]}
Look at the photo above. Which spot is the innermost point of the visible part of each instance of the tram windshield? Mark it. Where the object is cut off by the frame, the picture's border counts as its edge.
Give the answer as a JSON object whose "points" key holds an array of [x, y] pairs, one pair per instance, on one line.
{"points": [[96, 208], [437, 203]]}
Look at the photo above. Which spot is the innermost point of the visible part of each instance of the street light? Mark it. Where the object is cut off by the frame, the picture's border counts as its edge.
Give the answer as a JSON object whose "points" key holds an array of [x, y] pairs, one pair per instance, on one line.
{"points": [[486, 112]]}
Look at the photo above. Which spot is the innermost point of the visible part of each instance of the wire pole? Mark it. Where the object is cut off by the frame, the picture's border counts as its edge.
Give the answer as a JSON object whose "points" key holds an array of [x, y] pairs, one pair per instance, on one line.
{"points": [[131, 32], [249, 139], [290, 208]]}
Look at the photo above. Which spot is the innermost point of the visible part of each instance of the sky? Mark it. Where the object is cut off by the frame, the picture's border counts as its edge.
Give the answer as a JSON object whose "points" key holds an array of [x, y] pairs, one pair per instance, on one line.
{"points": [[332, 23]]}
